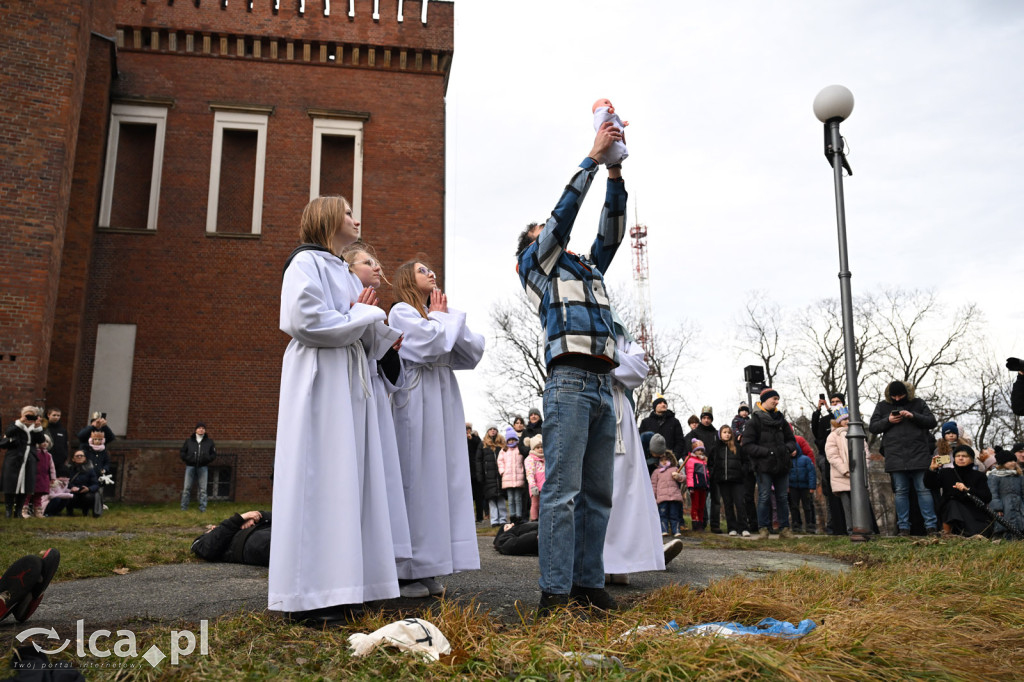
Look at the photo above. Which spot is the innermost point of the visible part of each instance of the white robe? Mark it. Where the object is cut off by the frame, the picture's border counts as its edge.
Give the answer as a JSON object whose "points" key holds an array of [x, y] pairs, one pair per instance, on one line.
{"points": [[331, 536], [633, 540], [430, 425], [382, 390]]}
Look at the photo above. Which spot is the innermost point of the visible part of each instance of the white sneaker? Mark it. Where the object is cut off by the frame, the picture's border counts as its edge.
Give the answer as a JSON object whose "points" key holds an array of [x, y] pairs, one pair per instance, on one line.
{"points": [[672, 548], [733, 534], [414, 591], [746, 533], [434, 588]]}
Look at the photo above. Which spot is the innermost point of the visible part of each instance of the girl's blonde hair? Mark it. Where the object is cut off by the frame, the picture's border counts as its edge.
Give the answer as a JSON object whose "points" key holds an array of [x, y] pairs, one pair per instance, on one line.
{"points": [[405, 288], [359, 246], [496, 443], [321, 219]]}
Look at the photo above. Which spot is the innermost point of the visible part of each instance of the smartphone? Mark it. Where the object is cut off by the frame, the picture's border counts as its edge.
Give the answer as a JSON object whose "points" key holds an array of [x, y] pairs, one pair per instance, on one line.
{"points": [[103, 415], [895, 413], [821, 396], [943, 460]]}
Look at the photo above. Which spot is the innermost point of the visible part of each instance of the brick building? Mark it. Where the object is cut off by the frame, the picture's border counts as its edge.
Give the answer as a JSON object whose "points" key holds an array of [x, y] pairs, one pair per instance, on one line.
{"points": [[155, 156]]}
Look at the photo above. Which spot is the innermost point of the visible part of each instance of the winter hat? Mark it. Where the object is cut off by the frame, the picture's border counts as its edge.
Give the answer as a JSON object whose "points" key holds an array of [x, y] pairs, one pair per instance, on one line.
{"points": [[963, 448], [658, 401], [697, 444], [1004, 457], [658, 445], [511, 434], [769, 393], [950, 427], [491, 426], [840, 396], [706, 412], [897, 388], [743, 408], [200, 425], [840, 413], [534, 442], [534, 411], [645, 442], [1017, 447]]}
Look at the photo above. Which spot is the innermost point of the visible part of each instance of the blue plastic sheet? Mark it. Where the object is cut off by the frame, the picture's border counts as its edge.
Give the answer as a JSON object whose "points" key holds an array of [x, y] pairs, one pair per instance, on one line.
{"points": [[767, 627]]}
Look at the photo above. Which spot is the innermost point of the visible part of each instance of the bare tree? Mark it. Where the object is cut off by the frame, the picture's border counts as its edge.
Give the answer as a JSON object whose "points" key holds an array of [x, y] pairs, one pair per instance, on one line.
{"points": [[515, 370], [763, 330]]}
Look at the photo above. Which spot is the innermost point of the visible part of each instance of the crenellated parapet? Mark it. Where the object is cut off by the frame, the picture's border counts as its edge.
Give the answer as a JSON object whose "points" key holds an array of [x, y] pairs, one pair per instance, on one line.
{"points": [[407, 35]]}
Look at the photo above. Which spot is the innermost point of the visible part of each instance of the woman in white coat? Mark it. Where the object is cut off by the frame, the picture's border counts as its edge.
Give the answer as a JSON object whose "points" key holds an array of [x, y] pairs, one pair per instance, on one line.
{"points": [[331, 545], [633, 540], [429, 424]]}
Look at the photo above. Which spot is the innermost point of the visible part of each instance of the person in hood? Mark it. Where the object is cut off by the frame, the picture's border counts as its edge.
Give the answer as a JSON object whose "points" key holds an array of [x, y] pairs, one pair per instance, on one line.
{"points": [[197, 452], [663, 421], [904, 422], [957, 485], [769, 443]]}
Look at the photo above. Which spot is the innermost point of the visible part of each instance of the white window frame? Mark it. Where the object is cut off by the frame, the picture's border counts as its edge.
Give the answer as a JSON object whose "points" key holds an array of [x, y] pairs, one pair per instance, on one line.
{"points": [[339, 128], [134, 113], [235, 120]]}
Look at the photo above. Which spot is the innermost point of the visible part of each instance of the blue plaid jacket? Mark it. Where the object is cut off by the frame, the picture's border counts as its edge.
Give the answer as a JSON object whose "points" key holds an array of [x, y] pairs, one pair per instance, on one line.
{"points": [[568, 290]]}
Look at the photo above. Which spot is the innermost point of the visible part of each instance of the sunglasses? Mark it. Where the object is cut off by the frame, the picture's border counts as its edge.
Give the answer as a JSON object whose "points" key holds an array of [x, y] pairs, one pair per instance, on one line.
{"points": [[425, 271]]}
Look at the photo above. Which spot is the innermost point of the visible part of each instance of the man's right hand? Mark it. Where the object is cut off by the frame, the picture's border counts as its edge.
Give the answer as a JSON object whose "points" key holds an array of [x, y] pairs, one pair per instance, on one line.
{"points": [[607, 134]]}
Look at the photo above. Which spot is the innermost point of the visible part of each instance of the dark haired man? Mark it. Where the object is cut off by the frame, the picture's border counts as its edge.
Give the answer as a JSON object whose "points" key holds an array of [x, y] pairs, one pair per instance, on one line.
{"points": [[663, 420], [568, 293]]}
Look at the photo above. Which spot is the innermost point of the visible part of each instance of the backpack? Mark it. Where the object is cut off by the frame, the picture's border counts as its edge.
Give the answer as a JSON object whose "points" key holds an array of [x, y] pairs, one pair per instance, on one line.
{"points": [[700, 475]]}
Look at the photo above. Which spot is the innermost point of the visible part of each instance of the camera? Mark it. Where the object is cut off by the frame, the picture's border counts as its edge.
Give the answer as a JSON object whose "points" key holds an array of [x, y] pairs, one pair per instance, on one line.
{"points": [[943, 460]]}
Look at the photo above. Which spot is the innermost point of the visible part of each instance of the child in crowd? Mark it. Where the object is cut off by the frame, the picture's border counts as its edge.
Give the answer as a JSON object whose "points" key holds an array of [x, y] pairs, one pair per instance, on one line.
{"points": [[803, 480], [665, 482], [697, 482], [513, 478], [45, 474], [535, 472], [489, 473], [837, 451], [1006, 482]]}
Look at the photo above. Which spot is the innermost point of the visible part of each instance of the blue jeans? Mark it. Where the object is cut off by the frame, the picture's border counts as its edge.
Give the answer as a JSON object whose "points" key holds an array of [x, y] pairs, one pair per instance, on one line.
{"points": [[576, 500], [497, 507], [190, 478], [765, 482], [901, 481], [515, 503], [671, 513]]}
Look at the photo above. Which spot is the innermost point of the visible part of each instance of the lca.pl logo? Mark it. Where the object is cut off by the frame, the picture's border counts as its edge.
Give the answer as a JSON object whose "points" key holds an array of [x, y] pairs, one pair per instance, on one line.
{"points": [[182, 643]]}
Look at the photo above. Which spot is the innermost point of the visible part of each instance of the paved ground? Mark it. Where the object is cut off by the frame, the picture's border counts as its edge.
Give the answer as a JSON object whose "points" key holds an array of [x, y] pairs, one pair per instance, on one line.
{"points": [[194, 591]]}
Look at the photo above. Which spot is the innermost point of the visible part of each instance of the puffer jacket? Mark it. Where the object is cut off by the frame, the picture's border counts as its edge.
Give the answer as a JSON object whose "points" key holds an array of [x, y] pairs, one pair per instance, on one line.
{"points": [[803, 475], [196, 454], [510, 466], [767, 441], [837, 452], [1007, 487], [666, 488], [907, 446], [726, 465], [488, 472]]}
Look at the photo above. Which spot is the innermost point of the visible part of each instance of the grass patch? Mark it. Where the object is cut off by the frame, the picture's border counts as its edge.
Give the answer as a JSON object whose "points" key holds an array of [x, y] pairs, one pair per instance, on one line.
{"points": [[930, 609]]}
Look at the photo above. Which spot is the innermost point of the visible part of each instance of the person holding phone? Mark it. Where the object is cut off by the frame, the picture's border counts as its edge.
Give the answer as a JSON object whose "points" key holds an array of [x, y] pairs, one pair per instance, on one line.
{"points": [[904, 422]]}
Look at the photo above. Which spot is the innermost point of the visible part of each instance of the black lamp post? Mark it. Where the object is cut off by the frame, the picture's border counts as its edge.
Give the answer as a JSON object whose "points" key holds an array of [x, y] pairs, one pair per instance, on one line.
{"points": [[832, 106]]}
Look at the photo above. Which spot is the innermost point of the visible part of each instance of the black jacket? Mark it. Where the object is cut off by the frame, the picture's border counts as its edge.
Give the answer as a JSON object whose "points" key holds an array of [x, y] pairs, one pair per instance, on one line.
{"points": [[530, 431], [1017, 396], [228, 542], [908, 444], [487, 470], [59, 450], [767, 442], [705, 434], [19, 444], [520, 539], [955, 503], [726, 466], [83, 435], [668, 426], [83, 476], [196, 454], [473, 443], [820, 428]]}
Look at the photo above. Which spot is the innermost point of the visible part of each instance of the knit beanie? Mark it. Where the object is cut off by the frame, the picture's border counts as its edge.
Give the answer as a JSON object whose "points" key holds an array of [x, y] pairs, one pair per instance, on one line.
{"points": [[658, 401], [840, 396], [950, 427], [963, 448], [535, 411], [768, 393], [658, 445], [897, 388], [1017, 447], [697, 444], [1004, 457], [743, 408], [534, 442], [511, 434]]}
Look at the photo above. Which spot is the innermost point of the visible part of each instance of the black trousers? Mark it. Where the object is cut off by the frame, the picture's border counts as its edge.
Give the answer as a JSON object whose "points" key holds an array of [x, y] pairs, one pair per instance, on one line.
{"points": [[734, 503], [750, 500], [801, 497], [715, 512]]}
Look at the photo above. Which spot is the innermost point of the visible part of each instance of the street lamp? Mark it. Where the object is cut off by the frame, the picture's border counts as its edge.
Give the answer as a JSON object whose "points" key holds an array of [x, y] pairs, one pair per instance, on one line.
{"points": [[832, 106]]}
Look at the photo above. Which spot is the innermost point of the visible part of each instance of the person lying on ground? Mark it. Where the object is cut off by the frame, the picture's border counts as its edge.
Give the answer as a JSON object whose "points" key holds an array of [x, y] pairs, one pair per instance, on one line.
{"points": [[240, 539]]}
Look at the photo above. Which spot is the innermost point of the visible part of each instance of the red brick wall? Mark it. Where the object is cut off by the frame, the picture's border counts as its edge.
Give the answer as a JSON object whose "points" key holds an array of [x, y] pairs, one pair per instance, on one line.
{"points": [[156, 473]]}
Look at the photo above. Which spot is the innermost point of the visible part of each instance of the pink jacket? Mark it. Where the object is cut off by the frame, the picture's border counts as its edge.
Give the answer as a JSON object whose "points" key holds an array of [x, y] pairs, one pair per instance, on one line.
{"points": [[535, 471], [688, 464], [666, 488], [837, 450], [510, 466]]}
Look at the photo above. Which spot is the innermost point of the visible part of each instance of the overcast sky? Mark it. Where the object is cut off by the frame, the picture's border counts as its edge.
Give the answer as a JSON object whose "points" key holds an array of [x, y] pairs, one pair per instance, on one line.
{"points": [[726, 164]]}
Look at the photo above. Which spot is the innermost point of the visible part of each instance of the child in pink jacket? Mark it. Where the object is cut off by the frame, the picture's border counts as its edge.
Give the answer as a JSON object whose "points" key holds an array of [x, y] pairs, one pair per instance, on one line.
{"points": [[697, 482], [535, 473], [513, 477], [665, 482]]}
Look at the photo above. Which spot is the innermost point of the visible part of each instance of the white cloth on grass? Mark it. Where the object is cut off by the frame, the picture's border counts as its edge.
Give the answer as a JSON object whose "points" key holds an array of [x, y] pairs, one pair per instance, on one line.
{"points": [[430, 426], [331, 536], [412, 634]]}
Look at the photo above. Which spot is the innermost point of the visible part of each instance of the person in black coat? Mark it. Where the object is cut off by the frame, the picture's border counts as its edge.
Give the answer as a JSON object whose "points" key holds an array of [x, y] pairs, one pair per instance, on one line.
{"points": [[19, 469], [239, 539], [517, 539], [728, 473], [905, 423], [197, 452], [821, 426], [487, 470], [959, 514], [59, 439], [83, 484], [473, 447], [1017, 392], [769, 443], [663, 420]]}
